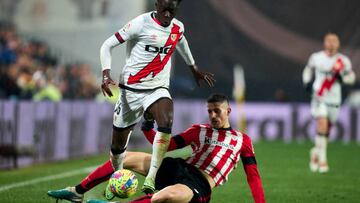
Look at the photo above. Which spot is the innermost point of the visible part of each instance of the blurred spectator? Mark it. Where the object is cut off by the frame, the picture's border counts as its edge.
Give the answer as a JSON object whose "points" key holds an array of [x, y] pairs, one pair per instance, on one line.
{"points": [[46, 90], [28, 70]]}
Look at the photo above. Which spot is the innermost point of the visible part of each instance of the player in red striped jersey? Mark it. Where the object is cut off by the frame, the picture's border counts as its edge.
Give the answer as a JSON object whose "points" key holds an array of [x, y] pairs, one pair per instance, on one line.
{"points": [[217, 149], [331, 69]]}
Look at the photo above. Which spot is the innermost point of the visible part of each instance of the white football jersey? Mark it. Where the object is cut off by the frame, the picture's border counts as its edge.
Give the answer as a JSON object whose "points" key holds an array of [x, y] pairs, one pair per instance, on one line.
{"points": [[326, 87], [148, 52]]}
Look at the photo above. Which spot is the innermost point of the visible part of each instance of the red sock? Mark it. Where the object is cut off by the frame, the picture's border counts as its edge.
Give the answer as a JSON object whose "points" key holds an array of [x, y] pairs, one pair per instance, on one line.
{"points": [[99, 175], [142, 199]]}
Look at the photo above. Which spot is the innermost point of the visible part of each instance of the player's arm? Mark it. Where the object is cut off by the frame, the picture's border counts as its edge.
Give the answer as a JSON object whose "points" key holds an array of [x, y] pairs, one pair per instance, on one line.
{"points": [[105, 59], [347, 75], [128, 32], [184, 50], [252, 173], [179, 141], [308, 74]]}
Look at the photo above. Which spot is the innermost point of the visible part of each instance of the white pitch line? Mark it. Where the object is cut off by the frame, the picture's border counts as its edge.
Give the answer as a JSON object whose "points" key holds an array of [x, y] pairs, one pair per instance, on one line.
{"points": [[47, 178]]}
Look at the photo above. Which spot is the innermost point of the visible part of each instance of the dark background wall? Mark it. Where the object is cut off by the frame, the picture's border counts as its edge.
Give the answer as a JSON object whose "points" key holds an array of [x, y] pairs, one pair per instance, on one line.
{"points": [[218, 44]]}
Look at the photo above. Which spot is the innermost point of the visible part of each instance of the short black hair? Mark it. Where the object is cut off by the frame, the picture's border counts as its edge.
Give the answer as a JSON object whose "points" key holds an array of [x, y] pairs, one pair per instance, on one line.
{"points": [[217, 97]]}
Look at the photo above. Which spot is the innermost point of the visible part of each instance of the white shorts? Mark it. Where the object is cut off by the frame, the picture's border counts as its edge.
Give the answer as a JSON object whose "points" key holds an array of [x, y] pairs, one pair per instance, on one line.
{"points": [[131, 105], [321, 109]]}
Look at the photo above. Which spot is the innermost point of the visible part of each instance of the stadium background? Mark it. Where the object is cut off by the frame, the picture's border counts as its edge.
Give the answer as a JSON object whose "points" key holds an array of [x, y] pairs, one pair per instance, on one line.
{"points": [[51, 108]]}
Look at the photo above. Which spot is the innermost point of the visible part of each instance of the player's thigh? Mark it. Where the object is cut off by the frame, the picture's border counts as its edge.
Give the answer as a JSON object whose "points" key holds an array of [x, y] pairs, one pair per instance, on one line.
{"points": [[177, 193], [333, 113], [138, 162], [322, 125], [318, 109], [128, 109], [160, 105]]}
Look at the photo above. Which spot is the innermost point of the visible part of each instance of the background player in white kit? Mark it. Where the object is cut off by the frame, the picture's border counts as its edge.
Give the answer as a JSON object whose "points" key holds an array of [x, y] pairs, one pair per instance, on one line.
{"points": [[151, 40], [331, 69]]}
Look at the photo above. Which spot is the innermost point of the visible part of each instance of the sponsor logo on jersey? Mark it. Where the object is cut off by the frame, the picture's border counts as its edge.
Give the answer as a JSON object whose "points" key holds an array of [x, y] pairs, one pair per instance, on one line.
{"points": [[154, 49], [215, 142]]}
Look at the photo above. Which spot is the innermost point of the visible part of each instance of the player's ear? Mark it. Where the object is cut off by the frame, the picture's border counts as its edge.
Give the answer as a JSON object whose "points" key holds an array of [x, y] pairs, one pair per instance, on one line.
{"points": [[228, 111]]}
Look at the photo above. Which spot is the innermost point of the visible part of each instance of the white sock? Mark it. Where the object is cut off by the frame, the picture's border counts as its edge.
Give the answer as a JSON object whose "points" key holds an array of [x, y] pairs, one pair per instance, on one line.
{"points": [[160, 146], [322, 149], [317, 141], [117, 160]]}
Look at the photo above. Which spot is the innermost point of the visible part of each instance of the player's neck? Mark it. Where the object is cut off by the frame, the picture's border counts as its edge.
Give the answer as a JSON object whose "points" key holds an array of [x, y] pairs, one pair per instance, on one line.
{"points": [[226, 126], [331, 53]]}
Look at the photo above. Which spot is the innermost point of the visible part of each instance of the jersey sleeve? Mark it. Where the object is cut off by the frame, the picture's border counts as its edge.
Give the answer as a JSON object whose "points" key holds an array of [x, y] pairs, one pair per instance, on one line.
{"points": [[131, 30], [183, 47], [348, 75], [250, 166], [348, 65], [184, 50], [188, 137], [311, 61], [309, 70]]}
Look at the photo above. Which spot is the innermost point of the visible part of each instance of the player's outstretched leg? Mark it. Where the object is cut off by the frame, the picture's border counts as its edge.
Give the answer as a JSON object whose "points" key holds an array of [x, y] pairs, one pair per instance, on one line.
{"points": [[76, 193], [162, 112]]}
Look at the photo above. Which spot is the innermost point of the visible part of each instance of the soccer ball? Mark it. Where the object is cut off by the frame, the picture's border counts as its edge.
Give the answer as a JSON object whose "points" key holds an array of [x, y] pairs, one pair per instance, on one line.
{"points": [[123, 183]]}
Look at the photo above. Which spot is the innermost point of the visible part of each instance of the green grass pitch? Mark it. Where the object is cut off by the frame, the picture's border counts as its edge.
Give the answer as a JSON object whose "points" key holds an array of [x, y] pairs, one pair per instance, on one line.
{"points": [[283, 168]]}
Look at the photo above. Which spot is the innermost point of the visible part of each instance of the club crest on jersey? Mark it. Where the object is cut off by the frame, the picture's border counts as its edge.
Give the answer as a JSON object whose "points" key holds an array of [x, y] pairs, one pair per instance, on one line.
{"points": [[173, 37]]}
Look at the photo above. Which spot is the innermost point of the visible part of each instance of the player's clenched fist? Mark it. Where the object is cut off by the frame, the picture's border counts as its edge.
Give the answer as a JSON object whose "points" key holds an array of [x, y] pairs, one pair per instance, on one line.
{"points": [[106, 81]]}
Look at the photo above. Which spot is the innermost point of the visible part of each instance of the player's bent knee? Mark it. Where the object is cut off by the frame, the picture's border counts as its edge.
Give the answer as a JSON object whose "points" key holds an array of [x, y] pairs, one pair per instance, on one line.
{"points": [[322, 126], [165, 122]]}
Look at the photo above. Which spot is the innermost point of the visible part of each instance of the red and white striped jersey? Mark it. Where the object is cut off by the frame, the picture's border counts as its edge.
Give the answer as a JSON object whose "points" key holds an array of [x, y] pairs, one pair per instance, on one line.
{"points": [[216, 151]]}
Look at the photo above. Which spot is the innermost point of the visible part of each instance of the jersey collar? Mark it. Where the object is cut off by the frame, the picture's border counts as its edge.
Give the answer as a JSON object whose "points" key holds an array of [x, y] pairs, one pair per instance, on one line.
{"points": [[229, 128], [157, 21]]}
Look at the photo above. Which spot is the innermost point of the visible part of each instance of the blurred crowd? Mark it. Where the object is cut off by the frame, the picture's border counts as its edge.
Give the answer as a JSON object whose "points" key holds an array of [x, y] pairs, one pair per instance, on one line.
{"points": [[29, 71]]}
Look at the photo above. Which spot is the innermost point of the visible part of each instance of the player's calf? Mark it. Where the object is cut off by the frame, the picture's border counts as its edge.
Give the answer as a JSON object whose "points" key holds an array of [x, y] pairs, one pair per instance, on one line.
{"points": [[160, 146]]}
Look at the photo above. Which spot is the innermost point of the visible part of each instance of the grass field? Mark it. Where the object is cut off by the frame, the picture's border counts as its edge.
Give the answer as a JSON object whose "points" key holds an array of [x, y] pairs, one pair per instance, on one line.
{"points": [[283, 167]]}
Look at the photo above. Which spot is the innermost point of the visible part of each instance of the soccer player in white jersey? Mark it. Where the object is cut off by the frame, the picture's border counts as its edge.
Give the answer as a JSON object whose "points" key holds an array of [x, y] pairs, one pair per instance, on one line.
{"points": [[151, 40], [325, 72], [217, 149]]}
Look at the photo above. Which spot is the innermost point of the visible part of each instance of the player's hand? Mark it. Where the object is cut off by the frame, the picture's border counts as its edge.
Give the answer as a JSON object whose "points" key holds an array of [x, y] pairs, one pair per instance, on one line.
{"points": [[206, 76], [106, 82]]}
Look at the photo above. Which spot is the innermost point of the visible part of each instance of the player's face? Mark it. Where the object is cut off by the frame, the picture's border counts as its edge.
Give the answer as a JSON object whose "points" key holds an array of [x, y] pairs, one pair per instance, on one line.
{"points": [[219, 114], [331, 43], [166, 11]]}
